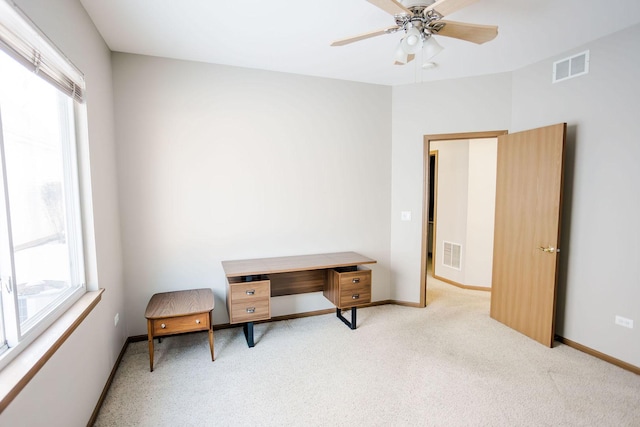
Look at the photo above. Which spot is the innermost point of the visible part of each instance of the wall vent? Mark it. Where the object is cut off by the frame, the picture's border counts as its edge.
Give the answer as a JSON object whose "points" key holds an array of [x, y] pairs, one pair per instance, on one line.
{"points": [[573, 66], [452, 255]]}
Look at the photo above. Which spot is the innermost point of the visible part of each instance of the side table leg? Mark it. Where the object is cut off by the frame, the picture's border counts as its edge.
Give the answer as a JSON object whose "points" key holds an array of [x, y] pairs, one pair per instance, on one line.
{"points": [[150, 334], [248, 333]]}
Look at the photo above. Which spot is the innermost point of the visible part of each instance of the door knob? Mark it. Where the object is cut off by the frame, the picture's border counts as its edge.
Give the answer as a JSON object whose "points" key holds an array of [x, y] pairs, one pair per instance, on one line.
{"points": [[549, 249]]}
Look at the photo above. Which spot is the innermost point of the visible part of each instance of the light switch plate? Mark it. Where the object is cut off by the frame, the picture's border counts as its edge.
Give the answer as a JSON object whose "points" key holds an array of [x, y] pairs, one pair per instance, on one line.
{"points": [[405, 215]]}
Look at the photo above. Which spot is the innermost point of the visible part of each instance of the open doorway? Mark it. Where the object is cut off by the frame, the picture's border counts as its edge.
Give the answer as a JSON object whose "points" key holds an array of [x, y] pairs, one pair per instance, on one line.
{"points": [[445, 248]]}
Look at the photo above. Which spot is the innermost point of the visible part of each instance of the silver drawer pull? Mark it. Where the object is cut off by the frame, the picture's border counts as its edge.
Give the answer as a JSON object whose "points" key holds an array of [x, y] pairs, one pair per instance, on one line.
{"points": [[355, 296], [356, 280], [251, 309], [163, 326], [251, 292], [198, 321]]}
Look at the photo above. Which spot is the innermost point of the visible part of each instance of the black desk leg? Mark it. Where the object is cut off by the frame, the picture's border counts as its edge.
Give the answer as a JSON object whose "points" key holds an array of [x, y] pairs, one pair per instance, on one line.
{"points": [[248, 333], [351, 324]]}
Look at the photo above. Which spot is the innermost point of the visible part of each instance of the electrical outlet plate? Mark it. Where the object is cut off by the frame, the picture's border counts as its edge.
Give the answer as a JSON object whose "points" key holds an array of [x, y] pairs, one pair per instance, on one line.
{"points": [[623, 321], [116, 319]]}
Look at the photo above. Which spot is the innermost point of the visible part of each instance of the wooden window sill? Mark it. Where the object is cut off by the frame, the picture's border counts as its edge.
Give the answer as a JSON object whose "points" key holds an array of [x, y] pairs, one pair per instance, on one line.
{"points": [[17, 374]]}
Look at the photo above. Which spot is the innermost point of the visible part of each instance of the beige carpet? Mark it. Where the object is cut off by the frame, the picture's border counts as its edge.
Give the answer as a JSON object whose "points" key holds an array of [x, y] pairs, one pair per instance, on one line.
{"points": [[446, 365]]}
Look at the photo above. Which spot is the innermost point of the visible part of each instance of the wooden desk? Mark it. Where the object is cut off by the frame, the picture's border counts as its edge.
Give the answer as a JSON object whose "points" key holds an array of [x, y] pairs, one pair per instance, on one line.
{"points": [[170, 313], [252, 282]]}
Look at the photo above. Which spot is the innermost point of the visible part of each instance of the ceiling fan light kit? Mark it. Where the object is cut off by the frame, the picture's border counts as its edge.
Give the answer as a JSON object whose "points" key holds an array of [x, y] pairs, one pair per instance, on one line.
{"points": [[431, 48], [401, 56], [413, 41], [421, 20]]}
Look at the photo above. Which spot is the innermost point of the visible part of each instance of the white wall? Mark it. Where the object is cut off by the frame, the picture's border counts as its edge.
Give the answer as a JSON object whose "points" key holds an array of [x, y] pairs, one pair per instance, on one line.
{"points": [[600, 273], [452, 205], [219, 163], [67, 388], [463, 105], [481, 203]]}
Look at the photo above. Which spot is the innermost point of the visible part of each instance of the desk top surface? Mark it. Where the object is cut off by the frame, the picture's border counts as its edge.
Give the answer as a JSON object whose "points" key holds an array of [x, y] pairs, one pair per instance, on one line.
{"points": [[179, 303], [249, 267]]}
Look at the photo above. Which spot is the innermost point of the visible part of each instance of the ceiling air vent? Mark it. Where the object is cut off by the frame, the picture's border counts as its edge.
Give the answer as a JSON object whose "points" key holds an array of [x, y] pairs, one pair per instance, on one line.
{"points": [[571, 67], [452, 255]]}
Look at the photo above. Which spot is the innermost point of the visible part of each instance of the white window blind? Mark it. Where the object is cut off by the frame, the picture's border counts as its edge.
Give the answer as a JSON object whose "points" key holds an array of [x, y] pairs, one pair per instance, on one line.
{"points": [[21, 39]]}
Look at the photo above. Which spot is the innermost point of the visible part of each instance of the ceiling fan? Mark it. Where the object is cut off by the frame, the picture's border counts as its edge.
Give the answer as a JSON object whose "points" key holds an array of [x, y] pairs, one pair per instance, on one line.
{"points": [[420, 21]]}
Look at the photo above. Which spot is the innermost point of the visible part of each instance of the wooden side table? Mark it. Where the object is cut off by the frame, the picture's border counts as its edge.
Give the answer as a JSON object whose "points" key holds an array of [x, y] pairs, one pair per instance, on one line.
{"points": [[170, 313]]}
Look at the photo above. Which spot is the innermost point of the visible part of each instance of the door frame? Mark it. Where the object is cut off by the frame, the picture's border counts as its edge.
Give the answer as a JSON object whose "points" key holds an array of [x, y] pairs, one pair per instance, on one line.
{"points": [[425, 195], [433, 202]]}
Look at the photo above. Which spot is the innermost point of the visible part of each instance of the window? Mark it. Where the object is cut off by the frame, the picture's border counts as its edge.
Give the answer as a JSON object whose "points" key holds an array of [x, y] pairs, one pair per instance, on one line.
{"points": [[41, 254]]}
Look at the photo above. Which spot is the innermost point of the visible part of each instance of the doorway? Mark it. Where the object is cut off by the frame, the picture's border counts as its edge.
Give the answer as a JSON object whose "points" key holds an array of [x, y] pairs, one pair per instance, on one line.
{"points": [[432, 248], [528, 203]]}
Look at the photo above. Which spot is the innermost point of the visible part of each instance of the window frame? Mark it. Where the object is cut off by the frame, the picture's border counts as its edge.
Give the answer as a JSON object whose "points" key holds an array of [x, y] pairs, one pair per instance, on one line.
{"points": [[27, 45]]}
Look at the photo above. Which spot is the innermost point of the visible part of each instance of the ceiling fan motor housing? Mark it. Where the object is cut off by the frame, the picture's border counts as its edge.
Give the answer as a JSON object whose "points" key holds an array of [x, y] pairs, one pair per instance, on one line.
{"points": [[418, 19]]}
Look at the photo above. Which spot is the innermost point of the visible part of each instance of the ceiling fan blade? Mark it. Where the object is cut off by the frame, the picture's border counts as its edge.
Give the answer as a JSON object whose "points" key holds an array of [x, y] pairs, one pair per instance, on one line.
{"points": [[392, 7], [447, 7], [363, 36], [474, 33]]}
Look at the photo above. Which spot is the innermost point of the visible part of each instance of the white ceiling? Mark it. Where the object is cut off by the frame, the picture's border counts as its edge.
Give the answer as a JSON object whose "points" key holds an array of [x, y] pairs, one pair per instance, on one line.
{"points": [[293, 36]]}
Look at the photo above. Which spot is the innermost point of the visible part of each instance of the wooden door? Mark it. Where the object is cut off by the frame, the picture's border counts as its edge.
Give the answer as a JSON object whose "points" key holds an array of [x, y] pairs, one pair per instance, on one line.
{"points": [[527, 230]]}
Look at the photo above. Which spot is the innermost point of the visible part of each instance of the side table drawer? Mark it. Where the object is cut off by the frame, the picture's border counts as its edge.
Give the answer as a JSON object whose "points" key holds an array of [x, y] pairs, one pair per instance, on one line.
{"points": [[174, 325]]}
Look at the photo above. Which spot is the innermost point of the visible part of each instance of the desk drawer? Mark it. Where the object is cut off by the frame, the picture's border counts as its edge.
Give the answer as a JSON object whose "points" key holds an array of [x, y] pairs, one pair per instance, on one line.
{"points": [[347, 289], [355, 297], [250, 311], [175, 325], [359, 279], [248, 301], [249, 291]]}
